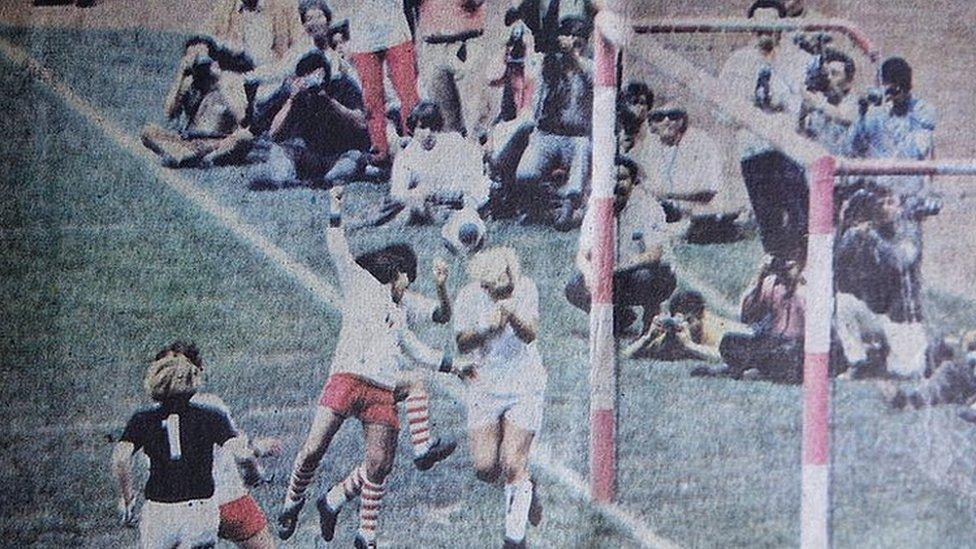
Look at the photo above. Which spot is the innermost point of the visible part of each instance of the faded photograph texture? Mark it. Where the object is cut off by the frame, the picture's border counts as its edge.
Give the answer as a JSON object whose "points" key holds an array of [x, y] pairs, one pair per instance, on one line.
{"points": [[487, 273]]}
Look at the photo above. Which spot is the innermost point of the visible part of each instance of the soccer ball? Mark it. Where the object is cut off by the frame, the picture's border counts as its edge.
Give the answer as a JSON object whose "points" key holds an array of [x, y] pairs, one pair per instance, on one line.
{"points": [[464, 233]]}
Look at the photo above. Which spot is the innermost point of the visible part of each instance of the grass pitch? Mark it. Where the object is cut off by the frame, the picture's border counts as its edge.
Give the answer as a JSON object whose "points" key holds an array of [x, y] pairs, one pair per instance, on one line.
{"points": [[103, 264]]}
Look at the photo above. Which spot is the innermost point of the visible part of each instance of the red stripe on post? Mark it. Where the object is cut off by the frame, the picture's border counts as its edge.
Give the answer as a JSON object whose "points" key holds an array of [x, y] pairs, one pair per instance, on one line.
{"points": [[604, 242], [605, 56], [822, 172], [816, 409], [602, 454]]}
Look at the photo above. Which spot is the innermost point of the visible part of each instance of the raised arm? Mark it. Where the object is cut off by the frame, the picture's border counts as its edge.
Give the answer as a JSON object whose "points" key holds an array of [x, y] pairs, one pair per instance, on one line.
{"points": [[442, 314], [335, 240], [523, 317]]}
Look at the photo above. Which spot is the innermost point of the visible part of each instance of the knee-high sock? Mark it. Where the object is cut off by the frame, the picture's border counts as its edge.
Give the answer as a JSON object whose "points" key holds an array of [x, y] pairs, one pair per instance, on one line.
{"points": [[418, 417], [301, 477], [518, 498], [369, 509], [347, 490]]}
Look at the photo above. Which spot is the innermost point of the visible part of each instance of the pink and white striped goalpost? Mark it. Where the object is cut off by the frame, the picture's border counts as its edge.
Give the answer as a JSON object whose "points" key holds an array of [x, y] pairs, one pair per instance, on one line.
{"points": [[603, 372], [815, 506]]}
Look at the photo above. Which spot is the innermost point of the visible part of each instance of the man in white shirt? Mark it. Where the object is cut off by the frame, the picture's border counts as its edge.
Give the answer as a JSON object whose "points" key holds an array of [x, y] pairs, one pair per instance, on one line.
{"points": [[438, 171], [683, 167], [374, 342], [642, 276], [497, 322], [770, 75]]}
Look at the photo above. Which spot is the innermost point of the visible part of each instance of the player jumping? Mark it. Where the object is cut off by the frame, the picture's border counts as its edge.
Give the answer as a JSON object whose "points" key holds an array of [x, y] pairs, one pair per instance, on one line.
{"points": [[364, 373], [497, 319]]}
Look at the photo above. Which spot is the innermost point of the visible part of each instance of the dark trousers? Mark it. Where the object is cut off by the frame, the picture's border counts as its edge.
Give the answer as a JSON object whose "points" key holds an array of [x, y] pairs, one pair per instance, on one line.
{"points": [[779, 196], [777, 358], [644, 287]]}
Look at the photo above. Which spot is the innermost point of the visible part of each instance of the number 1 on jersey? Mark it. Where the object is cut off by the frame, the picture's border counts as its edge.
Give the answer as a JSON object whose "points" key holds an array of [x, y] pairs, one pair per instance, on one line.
{"points": [[172, 427]]}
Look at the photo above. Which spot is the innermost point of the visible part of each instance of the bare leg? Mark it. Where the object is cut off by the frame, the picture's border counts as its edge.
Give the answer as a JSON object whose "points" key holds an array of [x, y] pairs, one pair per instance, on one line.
{"points": [[484, 442], [515, 445]]}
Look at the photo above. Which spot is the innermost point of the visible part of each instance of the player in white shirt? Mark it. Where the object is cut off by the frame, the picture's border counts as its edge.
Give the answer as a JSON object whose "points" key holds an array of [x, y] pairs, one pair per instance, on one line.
{"points": [[496, 322], [374, 342]]}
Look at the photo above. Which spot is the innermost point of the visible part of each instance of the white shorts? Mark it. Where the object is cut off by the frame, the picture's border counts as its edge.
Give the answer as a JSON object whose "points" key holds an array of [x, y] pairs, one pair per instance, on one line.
{"points": [[186, 524], [522, 409]]}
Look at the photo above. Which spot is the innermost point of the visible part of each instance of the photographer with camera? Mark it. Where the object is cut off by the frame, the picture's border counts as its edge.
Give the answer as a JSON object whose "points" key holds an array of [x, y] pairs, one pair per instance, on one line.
{"points": [[775, 309], [438, 172], [829, 108], [893, 123], [879, 292], [690, 332], [643, 275], [770, 75], [204, 110], [319, 134]]}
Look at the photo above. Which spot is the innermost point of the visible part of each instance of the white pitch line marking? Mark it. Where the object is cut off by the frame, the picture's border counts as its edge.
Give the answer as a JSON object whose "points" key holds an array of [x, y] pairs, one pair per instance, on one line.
{"points": [[315, 285]]}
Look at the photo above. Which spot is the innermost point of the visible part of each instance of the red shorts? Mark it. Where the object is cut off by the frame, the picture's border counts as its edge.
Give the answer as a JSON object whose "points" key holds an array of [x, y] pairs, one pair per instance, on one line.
{"points": [[350, 396], [241, 519]]}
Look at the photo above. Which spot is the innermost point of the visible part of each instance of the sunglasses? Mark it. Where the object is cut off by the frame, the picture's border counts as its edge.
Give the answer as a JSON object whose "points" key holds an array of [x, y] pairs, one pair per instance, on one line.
{"points": [[670, 115]]}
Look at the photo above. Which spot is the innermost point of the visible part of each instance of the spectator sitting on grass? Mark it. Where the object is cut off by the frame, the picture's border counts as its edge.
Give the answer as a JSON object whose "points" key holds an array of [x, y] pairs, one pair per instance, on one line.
{"points": [[204, 109], [438, 172], [953, 382], [775, 308], [320, 133], [684, 171], [691, 332], [634, 104]]}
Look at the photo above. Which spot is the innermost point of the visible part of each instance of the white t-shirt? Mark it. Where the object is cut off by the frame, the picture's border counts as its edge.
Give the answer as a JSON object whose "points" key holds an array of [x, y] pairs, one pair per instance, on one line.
{"points": [[454, 164], [376, 25], [505, 364], [228, 484], [375, 332], [694, 165], [640, 225]]}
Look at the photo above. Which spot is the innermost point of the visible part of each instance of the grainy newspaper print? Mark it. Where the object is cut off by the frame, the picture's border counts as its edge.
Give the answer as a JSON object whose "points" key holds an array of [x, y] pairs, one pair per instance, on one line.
{"points": [[487, 273]]}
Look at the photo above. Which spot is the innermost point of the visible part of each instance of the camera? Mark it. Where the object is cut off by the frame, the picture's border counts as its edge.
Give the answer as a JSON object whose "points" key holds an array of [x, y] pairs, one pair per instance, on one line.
{"points": [[670, 324], [872, 97], [515, 54], [201, 67]]}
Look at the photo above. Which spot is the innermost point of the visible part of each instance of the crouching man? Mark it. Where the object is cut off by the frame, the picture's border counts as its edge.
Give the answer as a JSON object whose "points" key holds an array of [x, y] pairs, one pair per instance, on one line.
{"points": [[643, 276]]}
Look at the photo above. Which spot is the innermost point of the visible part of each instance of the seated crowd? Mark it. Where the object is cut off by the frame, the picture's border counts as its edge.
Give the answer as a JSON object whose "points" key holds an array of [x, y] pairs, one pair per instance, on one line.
{"points": [[467, 132]]}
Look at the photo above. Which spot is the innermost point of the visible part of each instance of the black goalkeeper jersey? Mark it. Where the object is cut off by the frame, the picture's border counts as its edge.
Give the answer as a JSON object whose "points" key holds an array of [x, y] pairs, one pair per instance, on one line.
{"points": [[179, 437]]}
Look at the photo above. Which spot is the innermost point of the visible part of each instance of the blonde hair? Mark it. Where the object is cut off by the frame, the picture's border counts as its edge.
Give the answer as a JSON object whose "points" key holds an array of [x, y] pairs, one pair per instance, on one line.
{"points": [[171, 376], [486, 266]]}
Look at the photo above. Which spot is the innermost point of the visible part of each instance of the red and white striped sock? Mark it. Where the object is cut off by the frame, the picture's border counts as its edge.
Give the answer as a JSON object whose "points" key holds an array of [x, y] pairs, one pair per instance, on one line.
{"points": [[347, 490], [418, 417], [301, 477], [369, 509]]}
